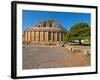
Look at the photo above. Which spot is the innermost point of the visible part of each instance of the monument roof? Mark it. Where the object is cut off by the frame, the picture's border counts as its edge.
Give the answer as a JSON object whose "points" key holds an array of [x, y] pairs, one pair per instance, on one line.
{"points": [[48, 24]]}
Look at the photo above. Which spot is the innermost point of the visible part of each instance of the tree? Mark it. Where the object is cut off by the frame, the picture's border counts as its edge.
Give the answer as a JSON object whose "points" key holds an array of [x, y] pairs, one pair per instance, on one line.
{"points": [[79, 31], [65, 35]]}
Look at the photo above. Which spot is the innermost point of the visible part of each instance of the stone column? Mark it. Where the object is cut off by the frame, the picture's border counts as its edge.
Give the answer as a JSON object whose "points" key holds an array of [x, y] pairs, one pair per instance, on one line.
{"points": [[33, 36], [41, 36], [37, 36], [49, 36], [28, 36], [55, 36], [46, 36], [59, 36], [52, 36]]}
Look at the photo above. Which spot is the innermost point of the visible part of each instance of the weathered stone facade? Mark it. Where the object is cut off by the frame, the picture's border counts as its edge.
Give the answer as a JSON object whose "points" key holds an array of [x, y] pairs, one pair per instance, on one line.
{"points": [[47, 31]]}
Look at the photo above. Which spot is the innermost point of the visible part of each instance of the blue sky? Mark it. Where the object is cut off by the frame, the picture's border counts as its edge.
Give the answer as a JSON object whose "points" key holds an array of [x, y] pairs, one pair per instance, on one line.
{"points": [[66, 19]]}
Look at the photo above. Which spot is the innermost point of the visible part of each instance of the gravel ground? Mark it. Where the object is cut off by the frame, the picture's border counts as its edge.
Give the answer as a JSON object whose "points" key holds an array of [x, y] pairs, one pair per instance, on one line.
{"points": [[35, 57]]}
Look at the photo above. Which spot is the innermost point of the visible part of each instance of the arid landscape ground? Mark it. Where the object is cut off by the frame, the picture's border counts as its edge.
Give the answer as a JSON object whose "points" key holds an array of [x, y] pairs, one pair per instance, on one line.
{"points": [[43, 56]]}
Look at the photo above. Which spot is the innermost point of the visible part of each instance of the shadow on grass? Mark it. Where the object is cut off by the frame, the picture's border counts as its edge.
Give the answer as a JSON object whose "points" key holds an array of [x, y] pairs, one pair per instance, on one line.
{"points": [[77, 44]]}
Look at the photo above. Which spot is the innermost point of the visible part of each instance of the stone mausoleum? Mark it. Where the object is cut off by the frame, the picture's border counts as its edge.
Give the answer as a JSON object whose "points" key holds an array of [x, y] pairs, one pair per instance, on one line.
{"points": [[45, 32]]}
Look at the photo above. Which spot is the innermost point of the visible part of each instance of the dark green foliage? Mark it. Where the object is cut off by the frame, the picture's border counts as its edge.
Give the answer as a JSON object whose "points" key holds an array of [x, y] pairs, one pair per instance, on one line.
{"points": [[65, 35], [79, 31]]}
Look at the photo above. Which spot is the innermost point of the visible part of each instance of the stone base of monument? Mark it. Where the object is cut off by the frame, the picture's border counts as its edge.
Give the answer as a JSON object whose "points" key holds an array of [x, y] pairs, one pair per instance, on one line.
{"points": [[50, 43]]}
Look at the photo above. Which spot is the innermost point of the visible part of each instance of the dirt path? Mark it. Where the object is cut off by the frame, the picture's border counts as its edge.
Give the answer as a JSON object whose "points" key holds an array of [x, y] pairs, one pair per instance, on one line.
{"points": [[51, 57], [74, 60]]}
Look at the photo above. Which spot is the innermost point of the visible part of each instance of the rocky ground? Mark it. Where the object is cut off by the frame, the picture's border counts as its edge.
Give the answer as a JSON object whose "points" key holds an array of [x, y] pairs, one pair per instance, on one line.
{"points": [[35, 57]]}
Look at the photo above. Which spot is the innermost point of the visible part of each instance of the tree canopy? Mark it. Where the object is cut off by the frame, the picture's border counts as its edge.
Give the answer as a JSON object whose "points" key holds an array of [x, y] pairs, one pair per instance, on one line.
{"points": [[79, 31]]}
